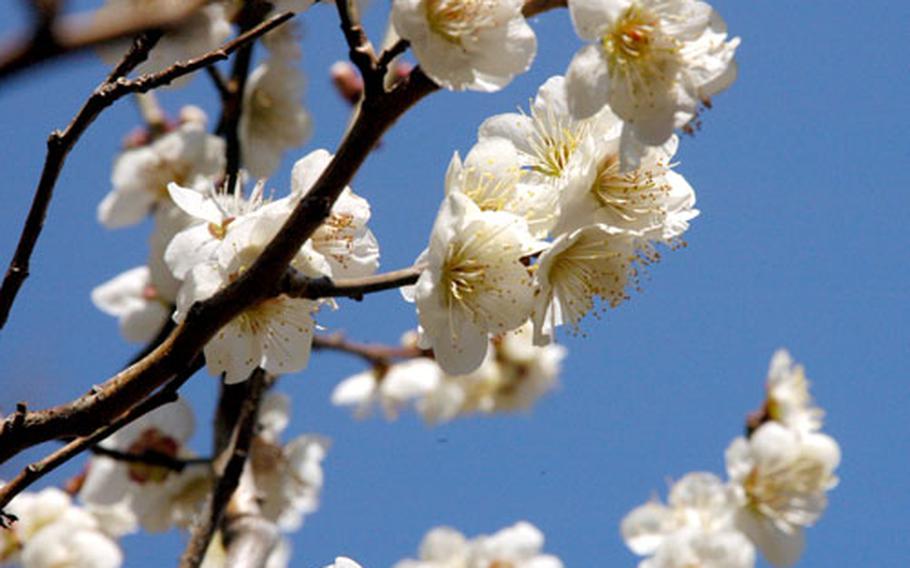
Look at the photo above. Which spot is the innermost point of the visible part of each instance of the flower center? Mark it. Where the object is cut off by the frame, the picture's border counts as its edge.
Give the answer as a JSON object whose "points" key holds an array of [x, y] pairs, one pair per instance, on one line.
{"points": [[630, 195], [155, 442], [452, 20], [638, 51], [554, 141]]}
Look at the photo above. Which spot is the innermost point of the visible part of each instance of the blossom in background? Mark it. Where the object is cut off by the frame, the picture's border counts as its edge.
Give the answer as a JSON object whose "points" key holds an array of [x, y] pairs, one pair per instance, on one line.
{"points": [[652, 61], [343, 562], [391, 388], [217, 557], [781, 477], [52, 532], [273, 118], [288, 477], [475, 282], [695, 528], [518, 546], [478, 45], [187, 156], [135, 301], [788, 398], [158, 496]]}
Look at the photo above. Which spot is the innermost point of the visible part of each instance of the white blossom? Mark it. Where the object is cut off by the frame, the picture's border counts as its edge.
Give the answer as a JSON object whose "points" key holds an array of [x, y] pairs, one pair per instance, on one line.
{"points": [[789, 401], [136, 302], [475, 282], [518, 546], [186, 156], [273, 119], [694, 530], [467, 44], [349, 247], [158, 496], [781, 477], [390, 388], [591, 262], [652, 61]]}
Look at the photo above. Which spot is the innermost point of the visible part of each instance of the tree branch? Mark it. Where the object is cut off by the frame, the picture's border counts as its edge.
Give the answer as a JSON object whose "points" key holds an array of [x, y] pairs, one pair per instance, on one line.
{"points": [[535, 7], [150, 457], [298, 285], [73, 34], [59, 143], [374, 354], [228, 468], [35, 471]]}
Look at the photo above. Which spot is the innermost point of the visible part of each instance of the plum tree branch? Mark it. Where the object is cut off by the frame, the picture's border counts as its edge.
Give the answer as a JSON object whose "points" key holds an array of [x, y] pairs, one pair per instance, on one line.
{"points": [[60, 144], [298, 285]]}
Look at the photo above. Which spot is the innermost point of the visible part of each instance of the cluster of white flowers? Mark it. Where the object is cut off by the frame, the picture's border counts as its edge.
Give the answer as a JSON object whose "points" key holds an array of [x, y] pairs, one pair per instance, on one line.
{"points": [[779, 477], [547, 175], [518, 546], [513, 375]]}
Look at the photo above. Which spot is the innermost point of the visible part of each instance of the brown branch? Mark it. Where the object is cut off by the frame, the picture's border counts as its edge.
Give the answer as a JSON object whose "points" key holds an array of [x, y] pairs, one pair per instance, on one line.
{"points": [[298, 285], [228, 468], [151, 457], [73, 34], [374, 354], [59, 143], [35, 471], [535, 7]]}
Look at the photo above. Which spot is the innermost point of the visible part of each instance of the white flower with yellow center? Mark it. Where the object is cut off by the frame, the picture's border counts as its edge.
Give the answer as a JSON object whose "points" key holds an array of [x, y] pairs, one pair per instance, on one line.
{"points": [[694, 530], [491, 175], [781, 477], [476, 282], [478, 45], [273, 118], [653, 61], [651, 201], [275, 334], [594, 261], [547, 137]]}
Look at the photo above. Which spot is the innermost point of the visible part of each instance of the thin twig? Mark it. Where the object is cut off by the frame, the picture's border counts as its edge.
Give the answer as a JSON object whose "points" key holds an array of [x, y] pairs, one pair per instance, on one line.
{"points": [[298, 285], [60, 143], [151, 457], [35, 471], [72, 34], [228, 467], [373, 353]]}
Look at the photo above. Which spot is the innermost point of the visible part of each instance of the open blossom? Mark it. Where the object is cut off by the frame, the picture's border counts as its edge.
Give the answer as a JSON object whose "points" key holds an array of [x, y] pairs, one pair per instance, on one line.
{"points": [[694, 529], [518, 546], [288, 477], [593, 262], [492, 176], [187, 156], [135, 301], [475, 282], [546, 139], [52, 532], [789, 401], [652, 61], [348, 245], [651, 202], [156, 495], [781, 477], [467, 44], [273, 119], [275, 334]]}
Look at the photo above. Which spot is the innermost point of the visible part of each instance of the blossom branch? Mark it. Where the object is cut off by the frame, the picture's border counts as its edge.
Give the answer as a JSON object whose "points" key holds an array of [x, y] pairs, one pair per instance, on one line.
{"points": [[298, 285], [228, 467], [35, 471], [59, 143], [52, 38], [374, 354]]}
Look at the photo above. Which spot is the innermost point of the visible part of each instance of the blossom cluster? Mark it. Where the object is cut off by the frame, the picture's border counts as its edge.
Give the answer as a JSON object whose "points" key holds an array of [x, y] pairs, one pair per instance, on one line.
{"points": [[778, 479]]}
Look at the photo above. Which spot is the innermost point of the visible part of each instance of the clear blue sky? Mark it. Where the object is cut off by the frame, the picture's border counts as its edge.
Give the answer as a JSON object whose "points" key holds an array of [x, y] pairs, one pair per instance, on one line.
{"points": [[801, 176]]}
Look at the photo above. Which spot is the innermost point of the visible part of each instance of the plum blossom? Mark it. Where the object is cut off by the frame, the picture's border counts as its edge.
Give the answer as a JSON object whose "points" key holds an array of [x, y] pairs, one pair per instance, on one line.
{"points": [[694, 529], [788, 399], [518, 546], [273, 118], [187, 156], [652, 61], [478, 45], [475, 282], [781, 478], [135, 301], [52, 532], [156, 495], [390, 388]]}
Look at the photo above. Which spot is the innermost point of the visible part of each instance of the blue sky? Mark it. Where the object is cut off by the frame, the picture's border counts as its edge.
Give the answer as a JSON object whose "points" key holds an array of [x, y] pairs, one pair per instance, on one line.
{"points": [[800, 171]]}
